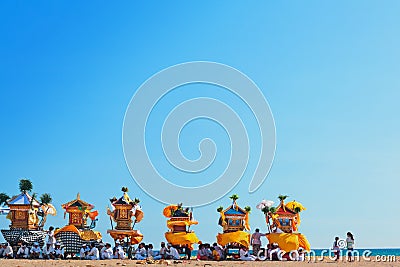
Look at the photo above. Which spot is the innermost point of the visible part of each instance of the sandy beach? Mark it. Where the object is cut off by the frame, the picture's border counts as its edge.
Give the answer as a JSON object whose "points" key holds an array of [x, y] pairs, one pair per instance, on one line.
{"points": [[120, 263]]}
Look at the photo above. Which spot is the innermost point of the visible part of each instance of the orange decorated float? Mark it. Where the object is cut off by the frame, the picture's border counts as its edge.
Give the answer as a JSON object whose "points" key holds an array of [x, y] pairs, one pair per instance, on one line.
{"points": [[179, 223], [283, 222], [78, 232], [235, 222], [124, 208]]}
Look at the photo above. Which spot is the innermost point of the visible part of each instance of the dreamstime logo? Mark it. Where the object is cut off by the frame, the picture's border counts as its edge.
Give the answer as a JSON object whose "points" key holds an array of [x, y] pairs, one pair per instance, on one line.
{"points": [[154, 89]]}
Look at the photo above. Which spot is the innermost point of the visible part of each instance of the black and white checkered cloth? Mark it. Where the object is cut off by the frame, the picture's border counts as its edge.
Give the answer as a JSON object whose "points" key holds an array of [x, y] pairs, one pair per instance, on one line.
{"points": [[14, 236], [72, 242]]}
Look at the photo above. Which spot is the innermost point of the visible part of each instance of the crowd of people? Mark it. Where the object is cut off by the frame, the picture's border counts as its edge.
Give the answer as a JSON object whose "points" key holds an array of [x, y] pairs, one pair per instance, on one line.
{"points": [[102, 251]]}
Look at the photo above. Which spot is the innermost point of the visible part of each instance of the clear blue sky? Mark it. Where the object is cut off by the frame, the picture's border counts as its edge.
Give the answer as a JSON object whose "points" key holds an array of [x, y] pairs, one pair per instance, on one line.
{"points": [[329, 69]]}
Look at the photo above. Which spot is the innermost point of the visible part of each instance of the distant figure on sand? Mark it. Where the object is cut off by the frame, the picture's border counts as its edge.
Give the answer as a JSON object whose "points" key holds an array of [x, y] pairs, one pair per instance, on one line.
{"points": [[350, 246], [336, 248], [255, 241]]}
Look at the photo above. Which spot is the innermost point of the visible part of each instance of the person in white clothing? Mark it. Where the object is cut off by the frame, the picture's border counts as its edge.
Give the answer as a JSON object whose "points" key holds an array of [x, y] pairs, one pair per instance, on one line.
{"points": [[50, 237], [48, 252], [244, 254], [83, 251], [58, 252], [102, 247], [35, 251], [140, 253], [23, 252], [119, 251], [8, 252], [162, 253], [172, 253], [108, 252], [93, 253]]}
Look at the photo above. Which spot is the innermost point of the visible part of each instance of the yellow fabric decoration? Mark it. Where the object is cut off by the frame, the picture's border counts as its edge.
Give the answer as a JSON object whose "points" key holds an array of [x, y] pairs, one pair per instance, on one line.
{"points": [[246, 222], [303, 242], [171, 224], [239, 237], [289, 242], [222, 214], [182, 238]]}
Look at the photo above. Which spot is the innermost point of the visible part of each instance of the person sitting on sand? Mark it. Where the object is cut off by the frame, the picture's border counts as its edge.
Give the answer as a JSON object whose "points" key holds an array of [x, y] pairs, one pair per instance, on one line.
{"points": [[58, 252], [219, 250], [35, 251], [119, 251], [162, 253], [244, 254], [8, 252], [93, 253], [150, 253], [23, 252], [215, 254], [83, 251], [172, 253], [140, 252], [108, 252], [202, 253], [48, 251], [275, 252], [102, 248]]}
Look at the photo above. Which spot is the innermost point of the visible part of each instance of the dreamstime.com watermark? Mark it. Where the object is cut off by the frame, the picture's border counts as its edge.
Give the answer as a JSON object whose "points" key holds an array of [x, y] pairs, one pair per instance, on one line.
{"points": [[144, 170], [326, 255]]}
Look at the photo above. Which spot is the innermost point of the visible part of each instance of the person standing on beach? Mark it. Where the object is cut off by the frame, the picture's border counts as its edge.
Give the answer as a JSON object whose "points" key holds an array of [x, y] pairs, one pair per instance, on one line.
{"points": [[255, 241], [350, 246], [336, 248]]}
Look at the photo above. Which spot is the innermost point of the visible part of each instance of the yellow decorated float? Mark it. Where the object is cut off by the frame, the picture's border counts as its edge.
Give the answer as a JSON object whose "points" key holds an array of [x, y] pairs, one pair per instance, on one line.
{"points": [[77, 232], [283, 222], [234, 221], [179, 223], [124, 208], [27, 215]]}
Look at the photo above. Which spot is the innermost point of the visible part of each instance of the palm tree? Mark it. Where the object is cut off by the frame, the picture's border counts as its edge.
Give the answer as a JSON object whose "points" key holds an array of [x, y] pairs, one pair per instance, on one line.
{"points": [[220, 208], [25, 185], [282, 197], [234, 197], [247, 208], [45, 198], [3, 199]]}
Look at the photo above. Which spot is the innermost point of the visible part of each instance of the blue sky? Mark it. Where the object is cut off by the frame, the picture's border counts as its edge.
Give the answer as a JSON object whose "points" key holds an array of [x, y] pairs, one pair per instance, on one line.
{"points": [[329, 70]]}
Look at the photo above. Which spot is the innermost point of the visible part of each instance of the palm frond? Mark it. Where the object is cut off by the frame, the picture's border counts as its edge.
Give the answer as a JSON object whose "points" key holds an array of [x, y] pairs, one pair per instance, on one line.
{"points": [[25, 185], [282, 197], [247, 208], [45, 198], [234, 197], [220, 208], [3, 199]]}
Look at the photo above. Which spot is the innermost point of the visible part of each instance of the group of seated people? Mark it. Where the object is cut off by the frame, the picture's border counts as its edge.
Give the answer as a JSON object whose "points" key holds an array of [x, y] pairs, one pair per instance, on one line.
{"points": [[208, 252], [49, 251], [142, 252]]}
